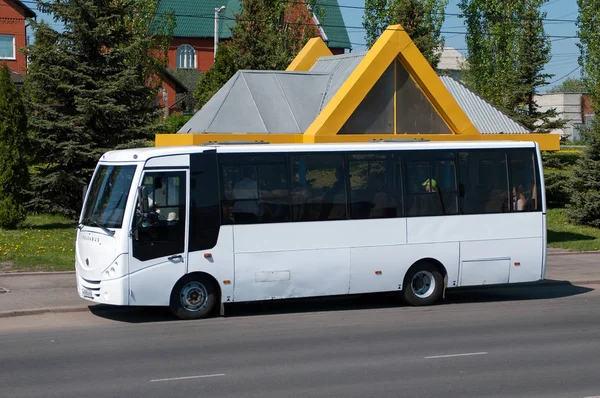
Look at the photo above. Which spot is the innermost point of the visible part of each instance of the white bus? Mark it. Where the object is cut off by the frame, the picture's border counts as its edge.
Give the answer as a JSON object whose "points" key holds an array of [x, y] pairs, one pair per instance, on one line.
{"points": [[197, 227]]}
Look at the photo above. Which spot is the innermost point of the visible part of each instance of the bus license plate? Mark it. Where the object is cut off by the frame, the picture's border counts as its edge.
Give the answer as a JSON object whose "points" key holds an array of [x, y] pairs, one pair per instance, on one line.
{"points": [[86, 293]]}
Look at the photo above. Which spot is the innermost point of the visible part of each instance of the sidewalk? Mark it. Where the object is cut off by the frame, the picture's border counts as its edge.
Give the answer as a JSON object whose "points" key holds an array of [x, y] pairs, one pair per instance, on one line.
{"points": [[35, 293]]}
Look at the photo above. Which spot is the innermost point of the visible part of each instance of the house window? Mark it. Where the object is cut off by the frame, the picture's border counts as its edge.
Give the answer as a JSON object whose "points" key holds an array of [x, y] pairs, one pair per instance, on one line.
{"points": [[186, 57], [7, 47], [589, 119]]}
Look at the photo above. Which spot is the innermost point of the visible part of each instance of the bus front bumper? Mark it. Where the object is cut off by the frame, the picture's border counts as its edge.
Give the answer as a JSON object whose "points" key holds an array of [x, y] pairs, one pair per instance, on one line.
{"points": [[114, 291]]}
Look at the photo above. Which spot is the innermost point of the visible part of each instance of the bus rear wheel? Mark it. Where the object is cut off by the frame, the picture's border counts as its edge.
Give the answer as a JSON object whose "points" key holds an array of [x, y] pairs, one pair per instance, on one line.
{"points": [[194, 297], [423, 285]]}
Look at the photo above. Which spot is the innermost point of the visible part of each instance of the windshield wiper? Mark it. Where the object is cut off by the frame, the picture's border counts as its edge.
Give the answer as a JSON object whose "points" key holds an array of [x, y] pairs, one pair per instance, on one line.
{"points": [[94, 223]]}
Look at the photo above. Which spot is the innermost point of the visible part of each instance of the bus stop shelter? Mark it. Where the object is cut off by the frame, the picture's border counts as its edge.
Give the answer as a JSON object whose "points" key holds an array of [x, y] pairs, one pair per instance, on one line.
{"points": [[388, 92]]}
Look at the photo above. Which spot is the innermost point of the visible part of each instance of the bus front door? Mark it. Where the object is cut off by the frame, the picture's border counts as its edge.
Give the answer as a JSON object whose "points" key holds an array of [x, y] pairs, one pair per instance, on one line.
{"points": [[158, 246]]}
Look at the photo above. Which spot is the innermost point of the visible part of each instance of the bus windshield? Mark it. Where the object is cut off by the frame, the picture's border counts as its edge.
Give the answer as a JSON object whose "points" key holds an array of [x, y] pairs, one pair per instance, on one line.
{"points": [[107, 197]]}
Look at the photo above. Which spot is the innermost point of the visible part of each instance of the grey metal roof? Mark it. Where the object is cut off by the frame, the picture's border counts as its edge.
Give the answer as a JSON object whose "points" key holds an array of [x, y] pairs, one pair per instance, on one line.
{"points": [[340, 67], [486, 118], [274, 102]]}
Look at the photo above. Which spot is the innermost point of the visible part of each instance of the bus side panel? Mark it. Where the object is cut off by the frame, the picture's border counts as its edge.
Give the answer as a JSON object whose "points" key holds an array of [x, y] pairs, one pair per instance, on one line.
{"points": [[475, 227], [544, 246], [528, 254], [482, 262], [219, 264], [527, 259], [291, 274], [519, 229], [394, 262], [375, 262], [153, 285], [287, 260]]}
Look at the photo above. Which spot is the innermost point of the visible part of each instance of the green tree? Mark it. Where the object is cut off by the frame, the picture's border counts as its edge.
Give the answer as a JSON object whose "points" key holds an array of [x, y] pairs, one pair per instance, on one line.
{"points": [[533, 53], [570, 85], [492, 47], [585, 198], [14, 145], [267, 36], [221, 71], [421, 19], [507, 53], [92, 88], [174, 122]]}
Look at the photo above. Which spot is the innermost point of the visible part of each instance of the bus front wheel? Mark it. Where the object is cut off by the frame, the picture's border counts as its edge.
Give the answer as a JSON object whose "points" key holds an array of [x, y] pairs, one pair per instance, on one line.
{"points": [[423, 284], [194, 297]]}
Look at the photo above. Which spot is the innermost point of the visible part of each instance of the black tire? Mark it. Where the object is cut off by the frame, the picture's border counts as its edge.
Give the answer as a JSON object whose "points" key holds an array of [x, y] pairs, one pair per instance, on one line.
{"points": [[423, 284], [193, 297]]}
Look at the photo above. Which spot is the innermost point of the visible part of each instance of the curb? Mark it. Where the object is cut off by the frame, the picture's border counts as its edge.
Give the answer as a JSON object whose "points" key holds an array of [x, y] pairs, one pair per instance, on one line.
{"points": [[566, 282], [38, 311], [596, 282], [573, 253], [50, 273]]}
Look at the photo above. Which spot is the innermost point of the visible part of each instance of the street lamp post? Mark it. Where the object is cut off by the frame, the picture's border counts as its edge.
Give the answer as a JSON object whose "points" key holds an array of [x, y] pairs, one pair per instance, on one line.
{"points": [[218, 10]]}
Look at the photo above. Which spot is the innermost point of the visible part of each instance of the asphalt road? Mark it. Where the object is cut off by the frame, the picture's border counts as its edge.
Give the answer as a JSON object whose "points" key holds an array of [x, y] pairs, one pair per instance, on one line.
{"points": [[534, 341]]}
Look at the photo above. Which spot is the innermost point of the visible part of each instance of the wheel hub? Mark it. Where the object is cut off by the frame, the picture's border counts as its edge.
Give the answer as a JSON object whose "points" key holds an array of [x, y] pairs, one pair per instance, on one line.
{"points": [[423, 284], [193, 296]]}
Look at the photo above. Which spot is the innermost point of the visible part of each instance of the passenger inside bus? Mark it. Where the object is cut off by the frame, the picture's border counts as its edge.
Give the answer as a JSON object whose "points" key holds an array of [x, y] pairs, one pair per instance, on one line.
{"points": [[334, 200], [165, 199], [430, 185], [519, 198]]}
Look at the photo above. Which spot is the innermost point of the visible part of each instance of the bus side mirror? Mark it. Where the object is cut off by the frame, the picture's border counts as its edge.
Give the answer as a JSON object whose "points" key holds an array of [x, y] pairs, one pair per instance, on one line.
{"points": [[143, 200], [141, 212]]}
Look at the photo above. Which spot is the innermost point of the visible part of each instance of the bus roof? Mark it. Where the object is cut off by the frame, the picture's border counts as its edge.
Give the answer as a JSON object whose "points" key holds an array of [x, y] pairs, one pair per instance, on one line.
{"points": [[143, 154]]}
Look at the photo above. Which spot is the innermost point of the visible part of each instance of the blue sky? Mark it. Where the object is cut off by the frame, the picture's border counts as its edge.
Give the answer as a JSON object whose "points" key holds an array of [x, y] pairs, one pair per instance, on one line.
{"points": [[564, 50]]}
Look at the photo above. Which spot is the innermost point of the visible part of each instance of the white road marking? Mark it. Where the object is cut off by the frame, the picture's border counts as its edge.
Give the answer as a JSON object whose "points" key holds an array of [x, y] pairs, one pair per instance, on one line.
{"points": [[456, 355], [189, 377]]}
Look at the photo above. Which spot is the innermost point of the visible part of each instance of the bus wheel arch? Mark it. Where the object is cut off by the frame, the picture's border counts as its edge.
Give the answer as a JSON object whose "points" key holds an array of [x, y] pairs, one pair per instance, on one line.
{"points": [[424, 282], [195, 296]]}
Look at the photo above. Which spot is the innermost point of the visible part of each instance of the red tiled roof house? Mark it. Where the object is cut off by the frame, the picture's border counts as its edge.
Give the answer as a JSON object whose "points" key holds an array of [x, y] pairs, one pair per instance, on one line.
{"points": [[13, 36], [191, 51]]}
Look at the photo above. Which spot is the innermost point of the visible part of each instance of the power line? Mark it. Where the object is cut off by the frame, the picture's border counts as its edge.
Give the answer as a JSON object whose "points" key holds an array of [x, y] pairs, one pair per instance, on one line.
{"points": [[343, 6], [445, 13], [567, 75], [325, 25]]}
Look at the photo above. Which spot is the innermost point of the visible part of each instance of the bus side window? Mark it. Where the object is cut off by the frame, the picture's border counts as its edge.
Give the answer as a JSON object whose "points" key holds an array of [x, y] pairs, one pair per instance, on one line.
{"points": [[525, 191], [254, 188], [483, 177], [374, 189], [431, 183], [161, 232], [204, 207], [318, 187]]}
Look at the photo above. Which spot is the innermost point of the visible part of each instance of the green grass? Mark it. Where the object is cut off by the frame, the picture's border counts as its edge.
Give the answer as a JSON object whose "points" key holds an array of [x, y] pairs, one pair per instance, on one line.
{"points": [[563, 234], [42, 243]]}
